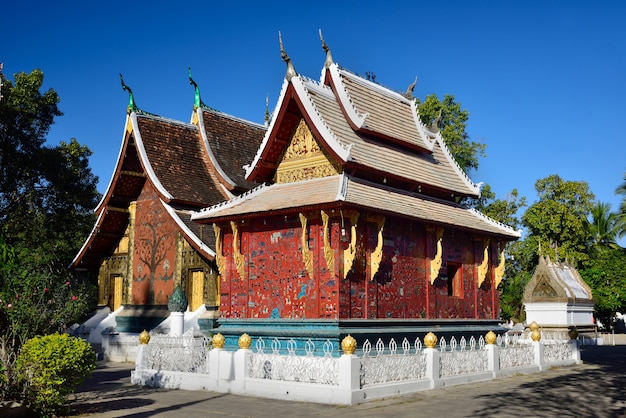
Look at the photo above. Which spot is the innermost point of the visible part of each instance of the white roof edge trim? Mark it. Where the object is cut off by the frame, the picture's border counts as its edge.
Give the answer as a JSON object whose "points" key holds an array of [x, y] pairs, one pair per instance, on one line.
{"points": [[500, 225], [228, 192], [88, 240], [184, 227], [144, 157], [208, 149], [270, 128], [342, 95], [201, 214], [119, 155], [328, 136], [421, 128], [455, 165]]}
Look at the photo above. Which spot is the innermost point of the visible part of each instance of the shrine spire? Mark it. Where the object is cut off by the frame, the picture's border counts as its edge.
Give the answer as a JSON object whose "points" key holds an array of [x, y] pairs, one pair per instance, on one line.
{"points": [[197, 101], [291, 71]]}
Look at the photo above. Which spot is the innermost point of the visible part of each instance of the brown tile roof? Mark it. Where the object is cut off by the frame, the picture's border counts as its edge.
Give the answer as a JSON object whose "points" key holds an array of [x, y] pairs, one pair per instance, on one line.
{"points": [[233, 142], [176, 157], [345, 190]]}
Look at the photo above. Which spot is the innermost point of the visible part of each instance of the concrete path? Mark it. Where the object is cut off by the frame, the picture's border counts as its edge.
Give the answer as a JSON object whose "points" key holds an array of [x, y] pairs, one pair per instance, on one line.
{"points": [[596, 388]]}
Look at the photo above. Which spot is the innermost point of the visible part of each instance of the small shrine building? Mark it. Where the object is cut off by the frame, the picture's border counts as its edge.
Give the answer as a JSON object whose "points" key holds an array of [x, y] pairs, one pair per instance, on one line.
{"points": [[558, 298], [144, 244], [356, 227]]}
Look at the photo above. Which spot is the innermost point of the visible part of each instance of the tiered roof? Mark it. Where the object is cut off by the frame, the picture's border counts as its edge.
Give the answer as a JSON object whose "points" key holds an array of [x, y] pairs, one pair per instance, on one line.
{"points": [[190, 166], [390, 160]]}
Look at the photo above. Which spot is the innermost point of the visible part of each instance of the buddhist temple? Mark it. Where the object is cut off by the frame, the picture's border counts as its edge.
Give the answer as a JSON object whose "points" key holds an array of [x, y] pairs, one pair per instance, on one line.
{"points": [[356, 227], [144, 244]]}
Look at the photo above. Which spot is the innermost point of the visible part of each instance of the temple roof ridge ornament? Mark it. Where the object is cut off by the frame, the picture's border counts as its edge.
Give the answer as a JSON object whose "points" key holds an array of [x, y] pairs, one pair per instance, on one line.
{"points": [[329, 56], [132, 107], [409, 90], [197, 102], [291, 71]]}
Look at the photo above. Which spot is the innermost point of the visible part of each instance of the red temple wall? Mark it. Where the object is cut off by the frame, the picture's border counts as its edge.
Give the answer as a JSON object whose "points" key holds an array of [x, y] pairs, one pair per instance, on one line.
{"points": [[276, 282], [154, 251]]}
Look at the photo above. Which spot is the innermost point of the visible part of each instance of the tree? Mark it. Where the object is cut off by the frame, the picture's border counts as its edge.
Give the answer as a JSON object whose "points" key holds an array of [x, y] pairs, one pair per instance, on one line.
{"points": [[621, 191], [605, 273], [558, 220], [47, 195], [452, 121], [501, 210], [605, 227]]}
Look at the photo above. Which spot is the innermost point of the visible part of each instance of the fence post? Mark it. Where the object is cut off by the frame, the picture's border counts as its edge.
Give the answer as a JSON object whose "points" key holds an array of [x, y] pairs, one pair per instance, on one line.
{"points": [[432, 360], [240, 364], [493, 353], [349, 366]]}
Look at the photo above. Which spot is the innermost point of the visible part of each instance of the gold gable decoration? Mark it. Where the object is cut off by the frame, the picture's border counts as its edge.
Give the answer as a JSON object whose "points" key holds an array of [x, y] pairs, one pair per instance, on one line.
{"points": [[328, 251], [377, 254], [304, 159], [483, 267], [237, 254], [307, 254], [435, 263]]}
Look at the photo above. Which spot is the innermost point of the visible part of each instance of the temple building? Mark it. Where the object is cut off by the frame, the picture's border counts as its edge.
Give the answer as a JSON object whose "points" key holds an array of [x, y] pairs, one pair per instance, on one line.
{"points": [[144, 244], [356, 226]]}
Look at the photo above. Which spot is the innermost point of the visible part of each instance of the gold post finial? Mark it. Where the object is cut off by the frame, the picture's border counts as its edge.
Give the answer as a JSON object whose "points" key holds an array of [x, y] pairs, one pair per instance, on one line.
{"points": [[144, 337], [245, 341], [430, 340], [348, 345]]}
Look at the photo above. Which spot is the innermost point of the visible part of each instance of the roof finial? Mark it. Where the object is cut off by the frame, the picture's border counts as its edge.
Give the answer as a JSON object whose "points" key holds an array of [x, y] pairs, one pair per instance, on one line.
{"points": [[291, 71], [131, 99], [197, 101], [329, 56], [409, 91], [267, 110], [435, 126]]}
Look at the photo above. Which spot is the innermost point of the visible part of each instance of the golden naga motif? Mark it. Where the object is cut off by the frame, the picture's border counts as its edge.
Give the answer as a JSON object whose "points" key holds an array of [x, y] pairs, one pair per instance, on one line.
{"points": [[430, 340], [245, 341], [144, 337], [237, 255], [307, 254], [218, 341], [435, 263], [350, 253], [499, 271], [377, 254], [304, 159], [483, 268], [219, 255], [348, 345], [328, 251], [491, 338]]}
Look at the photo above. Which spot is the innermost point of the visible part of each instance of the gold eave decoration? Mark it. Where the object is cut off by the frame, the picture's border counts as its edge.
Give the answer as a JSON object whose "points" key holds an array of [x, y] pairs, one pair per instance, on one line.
{"points": [[237, 255], [350, 252], [304, 159], [499, 271], [484, 266], [129, 126], [435, 263], [219, 255], [377, 254], [307, 254], [328, 251]]}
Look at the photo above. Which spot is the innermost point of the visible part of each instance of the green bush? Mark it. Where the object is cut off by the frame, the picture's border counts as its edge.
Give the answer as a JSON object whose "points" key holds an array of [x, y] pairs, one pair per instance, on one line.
{"points": [[51, 367]]}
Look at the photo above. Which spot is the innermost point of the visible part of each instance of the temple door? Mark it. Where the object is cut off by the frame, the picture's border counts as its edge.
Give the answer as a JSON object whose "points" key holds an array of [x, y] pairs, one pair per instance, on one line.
{"points": [[116, 301], [196, 289]]}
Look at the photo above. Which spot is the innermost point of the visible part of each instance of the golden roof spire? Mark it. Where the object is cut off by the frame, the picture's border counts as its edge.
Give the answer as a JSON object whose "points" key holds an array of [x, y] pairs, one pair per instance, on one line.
{"points": [[291, 71]]}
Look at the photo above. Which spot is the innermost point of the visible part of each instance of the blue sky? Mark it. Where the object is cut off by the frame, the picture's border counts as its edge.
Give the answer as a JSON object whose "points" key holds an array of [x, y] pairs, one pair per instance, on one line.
{"points": [[544, 81]]}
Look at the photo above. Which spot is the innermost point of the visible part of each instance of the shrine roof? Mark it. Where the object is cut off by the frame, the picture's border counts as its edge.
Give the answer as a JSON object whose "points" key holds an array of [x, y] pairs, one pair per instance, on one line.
{"points": [[555, 281], [436, 168], [175, 160], [344, 190], [231, 143]]}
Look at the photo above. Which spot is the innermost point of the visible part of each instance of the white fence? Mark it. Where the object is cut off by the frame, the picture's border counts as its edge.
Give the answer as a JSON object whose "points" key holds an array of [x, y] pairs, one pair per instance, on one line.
{"points": [[377, 371]]}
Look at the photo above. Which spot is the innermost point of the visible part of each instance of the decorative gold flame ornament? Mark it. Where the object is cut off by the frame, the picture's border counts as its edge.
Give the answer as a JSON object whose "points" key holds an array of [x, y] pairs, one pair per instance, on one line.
{"points": [[144, 337], [491, 338], [218, 340], [245, 341], [348, 344], [535, 335], [430, 340]]}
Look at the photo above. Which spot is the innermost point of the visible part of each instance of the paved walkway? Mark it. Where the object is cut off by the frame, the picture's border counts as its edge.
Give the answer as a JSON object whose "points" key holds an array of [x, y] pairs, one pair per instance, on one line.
{"points": [[596, 388]]}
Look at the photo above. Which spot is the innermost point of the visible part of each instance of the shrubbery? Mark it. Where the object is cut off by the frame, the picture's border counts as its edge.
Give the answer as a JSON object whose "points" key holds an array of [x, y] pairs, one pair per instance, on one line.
{"points": [[50, 368]]}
